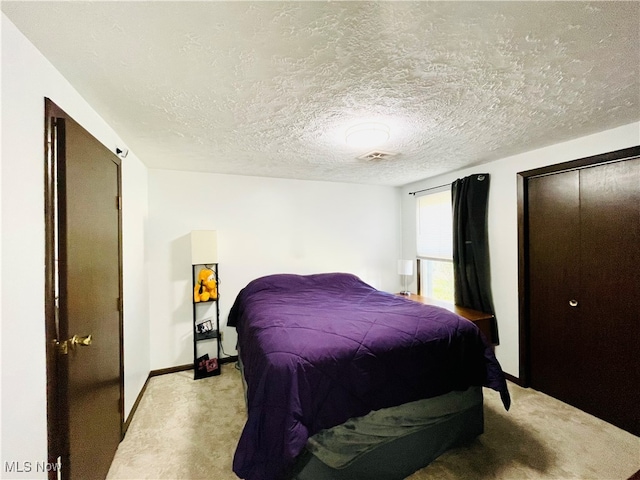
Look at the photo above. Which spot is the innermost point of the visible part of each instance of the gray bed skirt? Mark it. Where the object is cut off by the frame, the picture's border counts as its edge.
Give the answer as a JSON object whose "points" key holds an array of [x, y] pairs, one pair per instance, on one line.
{"points": [[398, 458], [392, 443]]}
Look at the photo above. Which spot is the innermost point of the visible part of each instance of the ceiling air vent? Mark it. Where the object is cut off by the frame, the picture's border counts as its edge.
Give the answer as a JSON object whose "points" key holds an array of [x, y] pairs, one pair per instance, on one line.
{"points": [[377, 155]]}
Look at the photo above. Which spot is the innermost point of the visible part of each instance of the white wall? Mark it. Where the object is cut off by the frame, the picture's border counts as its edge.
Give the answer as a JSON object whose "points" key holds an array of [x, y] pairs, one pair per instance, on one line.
{"points": [[135, 279], [503, 220], [27, 77], [265, 226]]}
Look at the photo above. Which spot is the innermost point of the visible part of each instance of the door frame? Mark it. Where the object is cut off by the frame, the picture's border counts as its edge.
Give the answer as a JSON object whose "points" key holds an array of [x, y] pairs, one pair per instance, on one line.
{"points": [[56, 327], [524, 322]]}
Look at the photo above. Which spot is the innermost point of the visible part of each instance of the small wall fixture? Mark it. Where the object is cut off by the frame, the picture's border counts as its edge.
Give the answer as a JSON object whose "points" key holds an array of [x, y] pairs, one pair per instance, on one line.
{"points": [[204, 247], [367, 134]]}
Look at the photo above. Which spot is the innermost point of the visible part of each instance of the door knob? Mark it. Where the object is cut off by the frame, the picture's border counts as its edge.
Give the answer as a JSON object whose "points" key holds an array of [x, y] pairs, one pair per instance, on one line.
{"points": [[63, 347], [573, 303], [81, 341]]}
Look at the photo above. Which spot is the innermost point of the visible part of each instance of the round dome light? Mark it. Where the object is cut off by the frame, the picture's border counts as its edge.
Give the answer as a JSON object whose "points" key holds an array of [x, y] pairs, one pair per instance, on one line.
{"points": [[368, 134]]}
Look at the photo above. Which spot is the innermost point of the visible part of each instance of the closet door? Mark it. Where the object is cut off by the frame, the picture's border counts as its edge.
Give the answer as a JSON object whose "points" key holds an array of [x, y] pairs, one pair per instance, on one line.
{"points": [[610, 294], [584, 289], [554, 257]]}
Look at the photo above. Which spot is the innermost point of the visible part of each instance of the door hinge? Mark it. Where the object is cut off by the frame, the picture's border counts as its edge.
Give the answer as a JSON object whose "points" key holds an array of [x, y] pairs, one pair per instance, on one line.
{"points": [[119, 202]]}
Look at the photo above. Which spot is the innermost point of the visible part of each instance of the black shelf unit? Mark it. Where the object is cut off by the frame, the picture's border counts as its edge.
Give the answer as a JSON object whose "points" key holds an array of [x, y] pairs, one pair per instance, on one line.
{"points": [[206, 336], [206, 328]]}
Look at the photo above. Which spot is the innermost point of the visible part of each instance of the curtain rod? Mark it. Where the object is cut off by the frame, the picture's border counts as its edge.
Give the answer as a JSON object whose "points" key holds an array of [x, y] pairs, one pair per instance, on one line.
{"points": [[430, 188]]}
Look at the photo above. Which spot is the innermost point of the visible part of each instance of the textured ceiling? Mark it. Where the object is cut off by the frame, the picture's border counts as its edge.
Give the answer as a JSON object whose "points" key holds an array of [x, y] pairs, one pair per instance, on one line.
{"points": [[269, 88]]}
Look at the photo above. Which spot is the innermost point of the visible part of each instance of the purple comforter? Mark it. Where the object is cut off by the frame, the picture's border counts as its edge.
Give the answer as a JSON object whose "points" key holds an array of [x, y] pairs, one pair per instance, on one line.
{"points": [[320, 349]]}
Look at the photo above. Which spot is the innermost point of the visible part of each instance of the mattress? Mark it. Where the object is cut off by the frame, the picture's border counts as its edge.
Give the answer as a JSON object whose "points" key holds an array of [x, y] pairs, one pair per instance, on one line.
{"points": [[318, 350]]}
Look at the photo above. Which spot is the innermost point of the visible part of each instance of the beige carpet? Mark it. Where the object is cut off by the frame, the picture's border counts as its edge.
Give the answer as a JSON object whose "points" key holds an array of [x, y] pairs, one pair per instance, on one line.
{"points": [[186, 429]]}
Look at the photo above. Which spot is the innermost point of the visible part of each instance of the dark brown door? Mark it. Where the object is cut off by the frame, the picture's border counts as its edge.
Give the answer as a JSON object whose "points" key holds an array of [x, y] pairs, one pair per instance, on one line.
{"points": [[89, 372], [584, 289], [610, 242], [554, 236]]}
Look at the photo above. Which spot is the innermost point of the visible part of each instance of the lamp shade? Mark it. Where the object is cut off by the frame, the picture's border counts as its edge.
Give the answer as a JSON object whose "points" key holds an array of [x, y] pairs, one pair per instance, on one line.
{"points": [[405, 267], [204, 247]]}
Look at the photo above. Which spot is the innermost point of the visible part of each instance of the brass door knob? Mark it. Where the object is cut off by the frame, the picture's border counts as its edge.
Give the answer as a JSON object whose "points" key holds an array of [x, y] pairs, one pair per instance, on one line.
{"points": [[82, 341], [63, 347]]}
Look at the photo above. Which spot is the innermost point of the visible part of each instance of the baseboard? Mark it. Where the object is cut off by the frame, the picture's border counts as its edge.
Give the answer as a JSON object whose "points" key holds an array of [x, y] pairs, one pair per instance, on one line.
{"points": [[152, 373], [164, 371], [513, 379], [229, 359], [189, 366], [127, 422]]}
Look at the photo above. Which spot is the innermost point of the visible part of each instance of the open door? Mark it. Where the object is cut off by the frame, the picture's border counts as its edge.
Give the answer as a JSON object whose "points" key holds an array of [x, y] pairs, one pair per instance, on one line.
{"points": [[83, 299]]}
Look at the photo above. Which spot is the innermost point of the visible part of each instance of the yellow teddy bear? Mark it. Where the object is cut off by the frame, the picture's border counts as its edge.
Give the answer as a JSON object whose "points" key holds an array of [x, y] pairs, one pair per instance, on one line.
{"points": [[206, 288]]}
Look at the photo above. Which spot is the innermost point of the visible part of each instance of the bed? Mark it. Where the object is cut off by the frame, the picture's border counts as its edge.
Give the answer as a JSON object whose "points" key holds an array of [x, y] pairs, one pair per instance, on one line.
{"points": [[322, 354]]}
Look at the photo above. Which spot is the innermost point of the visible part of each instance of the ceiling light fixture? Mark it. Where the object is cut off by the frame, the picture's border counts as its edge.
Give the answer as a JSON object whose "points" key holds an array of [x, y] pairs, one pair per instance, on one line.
{"points": [[367, 134]]}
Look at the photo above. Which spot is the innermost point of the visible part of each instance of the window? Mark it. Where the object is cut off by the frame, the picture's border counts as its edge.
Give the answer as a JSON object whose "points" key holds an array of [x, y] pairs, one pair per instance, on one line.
{"points": [[435, 244]]}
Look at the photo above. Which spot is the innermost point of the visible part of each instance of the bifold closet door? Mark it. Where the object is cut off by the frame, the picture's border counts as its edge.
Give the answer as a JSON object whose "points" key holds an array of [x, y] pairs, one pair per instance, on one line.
{"points": [[610, 294], [584, 289], [554, 281]]}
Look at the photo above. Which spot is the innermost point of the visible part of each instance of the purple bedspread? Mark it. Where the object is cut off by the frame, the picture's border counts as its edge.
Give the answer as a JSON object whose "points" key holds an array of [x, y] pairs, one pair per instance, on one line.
{"points": [[320, 349]]}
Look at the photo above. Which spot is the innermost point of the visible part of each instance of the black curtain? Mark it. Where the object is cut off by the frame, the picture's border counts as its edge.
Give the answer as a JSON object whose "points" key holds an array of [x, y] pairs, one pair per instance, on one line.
{"points": [[471, 270]]}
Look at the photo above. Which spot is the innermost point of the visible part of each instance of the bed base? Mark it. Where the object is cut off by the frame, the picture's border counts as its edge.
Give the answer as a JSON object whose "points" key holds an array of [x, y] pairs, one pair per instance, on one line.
{"points": [[401, 457]]}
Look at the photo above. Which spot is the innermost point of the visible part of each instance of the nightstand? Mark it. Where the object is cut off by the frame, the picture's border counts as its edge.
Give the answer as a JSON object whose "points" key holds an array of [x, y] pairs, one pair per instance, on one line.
{"points": [[484, 321]]}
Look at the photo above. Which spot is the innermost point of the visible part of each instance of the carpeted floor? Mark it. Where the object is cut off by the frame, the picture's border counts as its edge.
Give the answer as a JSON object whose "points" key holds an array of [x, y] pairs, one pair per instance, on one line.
{"points": [[186, 429]]}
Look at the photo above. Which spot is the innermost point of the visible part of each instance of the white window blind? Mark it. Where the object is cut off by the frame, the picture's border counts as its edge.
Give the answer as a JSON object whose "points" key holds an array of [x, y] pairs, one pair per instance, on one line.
{"points": [[435, 225]]}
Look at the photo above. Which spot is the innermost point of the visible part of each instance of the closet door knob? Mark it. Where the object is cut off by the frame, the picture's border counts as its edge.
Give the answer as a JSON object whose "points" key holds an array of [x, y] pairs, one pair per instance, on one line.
{"points": [[573, 303]]}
